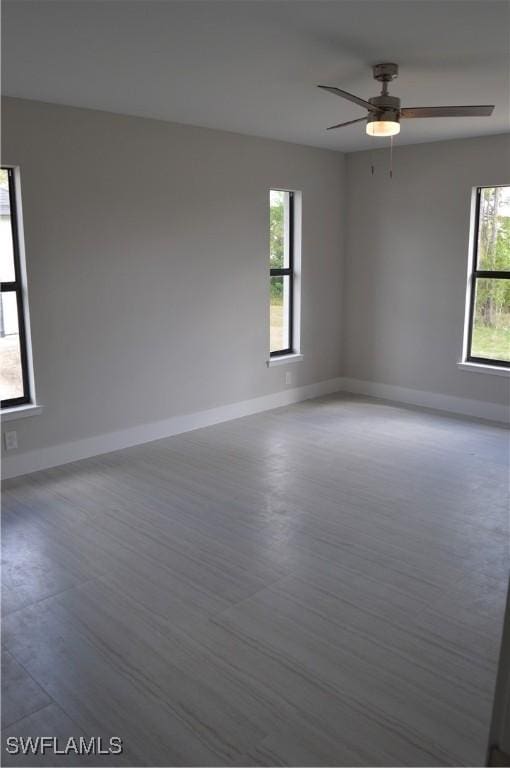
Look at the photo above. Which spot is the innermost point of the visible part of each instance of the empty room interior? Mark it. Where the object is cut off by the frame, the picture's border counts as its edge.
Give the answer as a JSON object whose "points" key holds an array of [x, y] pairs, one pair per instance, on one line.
{"points": [[254, 377]]}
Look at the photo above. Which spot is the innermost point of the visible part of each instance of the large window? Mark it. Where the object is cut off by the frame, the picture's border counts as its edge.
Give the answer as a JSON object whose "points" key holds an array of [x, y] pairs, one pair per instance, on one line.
{"points": [[14, 379], [489, 306], [281, 258]]}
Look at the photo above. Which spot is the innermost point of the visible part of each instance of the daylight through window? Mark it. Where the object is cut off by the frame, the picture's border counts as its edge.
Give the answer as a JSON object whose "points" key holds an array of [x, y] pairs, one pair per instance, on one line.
{"points": [[281, 259], [489, 308], [14, 386]]}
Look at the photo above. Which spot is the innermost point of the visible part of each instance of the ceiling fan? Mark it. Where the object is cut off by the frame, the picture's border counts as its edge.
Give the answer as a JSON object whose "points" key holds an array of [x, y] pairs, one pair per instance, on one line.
{"points": [[385, 112]]}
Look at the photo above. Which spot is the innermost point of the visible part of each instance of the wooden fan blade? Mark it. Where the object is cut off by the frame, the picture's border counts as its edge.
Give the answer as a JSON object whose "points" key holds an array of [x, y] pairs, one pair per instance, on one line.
{"points": [[349, 122], [480, 110], [349, 97]]}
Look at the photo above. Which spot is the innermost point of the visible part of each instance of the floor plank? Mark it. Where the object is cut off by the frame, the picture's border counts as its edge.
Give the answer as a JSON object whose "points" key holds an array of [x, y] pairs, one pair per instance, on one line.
{"points": [[21, 695]]}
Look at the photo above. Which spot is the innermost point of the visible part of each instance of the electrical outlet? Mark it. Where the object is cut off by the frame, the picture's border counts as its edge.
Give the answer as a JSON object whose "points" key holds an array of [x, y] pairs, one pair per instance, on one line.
{"points": [[11, 440], [288, 378]]}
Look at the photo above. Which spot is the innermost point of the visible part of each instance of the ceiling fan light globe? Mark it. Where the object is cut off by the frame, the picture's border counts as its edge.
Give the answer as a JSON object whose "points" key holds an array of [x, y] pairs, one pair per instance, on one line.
{"points": [[383, 128]]}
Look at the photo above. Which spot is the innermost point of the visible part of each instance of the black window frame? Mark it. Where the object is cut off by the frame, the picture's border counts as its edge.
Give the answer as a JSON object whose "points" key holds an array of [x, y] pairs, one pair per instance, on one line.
{"points": [[16, 286], [287, 272], [477, 274]]}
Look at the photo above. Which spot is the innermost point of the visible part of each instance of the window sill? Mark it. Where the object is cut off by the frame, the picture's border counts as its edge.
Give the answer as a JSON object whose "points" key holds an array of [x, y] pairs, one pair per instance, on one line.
{"points": [[496, 370], [20, 412], [295, 357]]}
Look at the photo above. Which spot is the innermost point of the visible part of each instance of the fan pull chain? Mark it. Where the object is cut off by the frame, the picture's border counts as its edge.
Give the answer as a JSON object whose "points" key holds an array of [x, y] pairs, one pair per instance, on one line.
{"points": [[391, 157], [372, 166]]}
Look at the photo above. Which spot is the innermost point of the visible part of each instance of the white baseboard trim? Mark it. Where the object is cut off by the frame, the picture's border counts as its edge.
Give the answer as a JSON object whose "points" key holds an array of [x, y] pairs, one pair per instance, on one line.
{"points": [[44, 458], [53, 456], [479, 409]]}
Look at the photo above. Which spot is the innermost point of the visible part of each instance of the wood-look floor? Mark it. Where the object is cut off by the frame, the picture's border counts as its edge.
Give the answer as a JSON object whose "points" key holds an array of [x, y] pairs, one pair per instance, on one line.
{"points": [[322, 584]]}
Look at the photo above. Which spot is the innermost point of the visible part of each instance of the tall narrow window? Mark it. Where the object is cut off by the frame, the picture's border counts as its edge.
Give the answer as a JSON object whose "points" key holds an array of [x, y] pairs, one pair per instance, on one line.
{"points": [[14, 379], [281, 258], [489, 307]]}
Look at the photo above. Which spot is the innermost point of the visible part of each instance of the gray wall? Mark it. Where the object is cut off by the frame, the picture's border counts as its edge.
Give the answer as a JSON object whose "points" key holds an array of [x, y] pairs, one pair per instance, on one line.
{"points": [[147, 262], [147, 255], [406, 264]]}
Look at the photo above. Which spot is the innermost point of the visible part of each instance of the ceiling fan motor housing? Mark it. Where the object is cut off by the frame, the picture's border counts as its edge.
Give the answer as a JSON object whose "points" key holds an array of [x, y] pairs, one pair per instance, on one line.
{"points": [[388, 108]]}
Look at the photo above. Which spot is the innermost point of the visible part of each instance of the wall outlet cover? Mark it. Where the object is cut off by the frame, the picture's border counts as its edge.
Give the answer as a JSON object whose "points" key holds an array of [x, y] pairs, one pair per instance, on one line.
{"points": [[11, 440]]}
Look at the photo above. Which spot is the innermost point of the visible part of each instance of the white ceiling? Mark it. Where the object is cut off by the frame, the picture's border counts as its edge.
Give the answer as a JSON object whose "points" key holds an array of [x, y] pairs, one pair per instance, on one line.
{"points": [[252, 66]]}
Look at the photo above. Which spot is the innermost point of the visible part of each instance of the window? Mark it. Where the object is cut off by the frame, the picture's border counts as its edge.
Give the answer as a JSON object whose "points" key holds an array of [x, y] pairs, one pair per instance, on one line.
{"points": [[488, 338], [14, 379], [281, 259]]}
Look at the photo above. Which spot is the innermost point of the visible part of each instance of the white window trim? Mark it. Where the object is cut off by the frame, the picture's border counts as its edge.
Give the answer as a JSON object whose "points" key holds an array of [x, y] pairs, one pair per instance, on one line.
{"points": [[20, 412], [496, 370], [294, 357]]}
